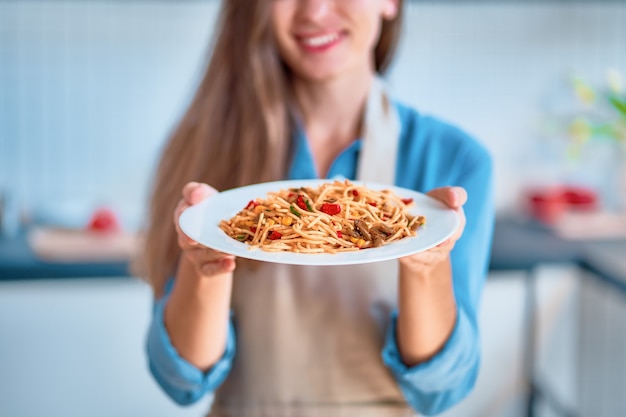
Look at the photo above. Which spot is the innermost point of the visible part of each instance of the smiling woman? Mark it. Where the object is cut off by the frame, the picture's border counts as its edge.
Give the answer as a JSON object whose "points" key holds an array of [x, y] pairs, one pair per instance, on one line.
{"points": [[341, 45], [239, 128], [292, 92]]}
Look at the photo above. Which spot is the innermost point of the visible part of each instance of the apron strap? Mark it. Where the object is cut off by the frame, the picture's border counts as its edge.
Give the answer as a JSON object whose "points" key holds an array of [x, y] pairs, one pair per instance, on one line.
{"points": [[381, 137]]}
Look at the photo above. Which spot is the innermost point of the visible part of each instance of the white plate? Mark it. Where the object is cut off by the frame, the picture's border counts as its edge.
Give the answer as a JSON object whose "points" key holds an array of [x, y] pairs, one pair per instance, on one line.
{"points": [[201, 223]]}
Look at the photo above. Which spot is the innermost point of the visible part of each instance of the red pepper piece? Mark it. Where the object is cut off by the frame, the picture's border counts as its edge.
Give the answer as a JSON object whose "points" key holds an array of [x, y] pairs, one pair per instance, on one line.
{"points": [[274, 235], [339, 234], [407, 200], [300, 203], [330, 209], [355, 193], [253, 229], [371, 203], [252, 204]]}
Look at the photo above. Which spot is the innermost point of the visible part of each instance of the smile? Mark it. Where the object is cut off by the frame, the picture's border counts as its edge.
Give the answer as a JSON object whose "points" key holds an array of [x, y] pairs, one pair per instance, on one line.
{"points": [[320, 40], [319, 43]]}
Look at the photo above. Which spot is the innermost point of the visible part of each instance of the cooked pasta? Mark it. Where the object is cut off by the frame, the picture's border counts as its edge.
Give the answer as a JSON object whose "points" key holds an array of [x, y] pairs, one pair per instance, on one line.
{"points": [[335, 217]]}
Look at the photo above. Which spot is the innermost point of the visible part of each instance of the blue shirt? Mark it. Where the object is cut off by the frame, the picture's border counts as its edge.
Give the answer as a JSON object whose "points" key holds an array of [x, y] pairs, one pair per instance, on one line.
{"points": [[431, 154]]}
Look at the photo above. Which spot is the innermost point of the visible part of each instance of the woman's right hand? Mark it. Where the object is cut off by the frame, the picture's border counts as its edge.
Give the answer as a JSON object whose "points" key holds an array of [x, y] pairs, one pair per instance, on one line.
{"points": [[197, 312], [206, 262]]}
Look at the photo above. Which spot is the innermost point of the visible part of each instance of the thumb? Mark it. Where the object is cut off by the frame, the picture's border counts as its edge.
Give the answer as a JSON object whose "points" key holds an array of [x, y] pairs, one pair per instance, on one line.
{"points": [[453, 197], [195, 192], [460, 197]]}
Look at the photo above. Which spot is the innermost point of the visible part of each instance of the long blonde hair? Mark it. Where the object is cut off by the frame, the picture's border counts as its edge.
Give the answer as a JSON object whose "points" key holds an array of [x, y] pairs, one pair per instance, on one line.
{"points": [[238, 127]]}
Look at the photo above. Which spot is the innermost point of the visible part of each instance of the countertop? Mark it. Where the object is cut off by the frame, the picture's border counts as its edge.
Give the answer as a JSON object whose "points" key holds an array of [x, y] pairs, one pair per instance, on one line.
{"points": [[522, 244], [18, 261], [518, 244]]}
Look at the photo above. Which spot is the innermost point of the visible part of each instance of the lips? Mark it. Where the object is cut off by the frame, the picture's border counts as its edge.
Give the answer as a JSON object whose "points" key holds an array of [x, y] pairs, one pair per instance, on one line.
{"points": [[319, 42]]}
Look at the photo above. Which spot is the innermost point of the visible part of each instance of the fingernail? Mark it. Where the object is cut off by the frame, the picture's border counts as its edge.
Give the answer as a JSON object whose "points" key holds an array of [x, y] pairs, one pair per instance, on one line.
{"points": [[452, 198]]}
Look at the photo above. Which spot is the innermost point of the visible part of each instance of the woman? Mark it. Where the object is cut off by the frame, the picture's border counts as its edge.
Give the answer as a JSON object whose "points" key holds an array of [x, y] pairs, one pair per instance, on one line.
{"points": [[291, 92]]}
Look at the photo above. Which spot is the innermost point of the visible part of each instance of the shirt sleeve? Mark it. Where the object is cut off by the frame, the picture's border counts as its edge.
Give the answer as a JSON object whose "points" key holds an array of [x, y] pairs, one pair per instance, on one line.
{"points": [[181, 380], [441, 382]]}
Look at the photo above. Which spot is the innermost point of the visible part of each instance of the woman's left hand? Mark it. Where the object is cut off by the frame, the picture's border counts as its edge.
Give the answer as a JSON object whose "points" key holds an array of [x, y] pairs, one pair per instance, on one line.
{"points": [[455, 198]]}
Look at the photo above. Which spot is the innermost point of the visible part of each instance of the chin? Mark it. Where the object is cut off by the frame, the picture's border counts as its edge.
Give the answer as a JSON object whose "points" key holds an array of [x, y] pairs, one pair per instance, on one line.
{"points": [[318, 74], [318, 78]]}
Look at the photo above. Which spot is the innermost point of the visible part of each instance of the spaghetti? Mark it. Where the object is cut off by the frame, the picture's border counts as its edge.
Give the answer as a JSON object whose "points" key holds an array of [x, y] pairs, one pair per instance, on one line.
{"points": [[334, 217]]}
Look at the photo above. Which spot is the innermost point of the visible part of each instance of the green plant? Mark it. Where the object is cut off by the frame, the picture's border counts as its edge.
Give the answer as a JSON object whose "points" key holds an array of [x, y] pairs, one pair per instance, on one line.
{"points": [[601, 112]]}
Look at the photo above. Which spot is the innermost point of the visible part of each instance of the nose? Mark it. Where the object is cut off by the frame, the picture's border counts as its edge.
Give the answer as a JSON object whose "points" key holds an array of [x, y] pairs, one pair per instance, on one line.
{"points": [[313, 9]]}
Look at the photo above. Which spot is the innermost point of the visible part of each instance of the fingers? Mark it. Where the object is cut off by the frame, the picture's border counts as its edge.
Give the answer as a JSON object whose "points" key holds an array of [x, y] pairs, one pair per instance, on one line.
{"points": [[453, 197], [222, 266], [184, 241], [193, 193], [209, 262], [426, 259], [180, 207]]}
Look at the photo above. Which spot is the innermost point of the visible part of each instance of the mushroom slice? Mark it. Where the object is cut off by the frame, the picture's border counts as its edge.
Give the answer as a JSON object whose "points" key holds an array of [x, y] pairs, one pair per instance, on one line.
{"points": [[382, 227], [361, 227], [378, 238]]}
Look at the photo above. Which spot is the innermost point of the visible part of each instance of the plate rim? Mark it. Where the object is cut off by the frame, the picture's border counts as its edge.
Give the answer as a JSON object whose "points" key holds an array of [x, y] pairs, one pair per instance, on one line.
{"points": [[323, 259]]}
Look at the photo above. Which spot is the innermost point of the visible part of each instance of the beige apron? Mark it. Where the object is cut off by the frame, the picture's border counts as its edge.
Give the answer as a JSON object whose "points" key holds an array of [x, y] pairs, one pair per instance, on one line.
{"points": [[310, 338]]}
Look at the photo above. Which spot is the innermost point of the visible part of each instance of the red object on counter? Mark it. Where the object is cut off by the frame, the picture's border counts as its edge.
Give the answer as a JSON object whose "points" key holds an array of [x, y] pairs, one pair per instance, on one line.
{"points": [[104, 220], [580, 198], [548, 204]]}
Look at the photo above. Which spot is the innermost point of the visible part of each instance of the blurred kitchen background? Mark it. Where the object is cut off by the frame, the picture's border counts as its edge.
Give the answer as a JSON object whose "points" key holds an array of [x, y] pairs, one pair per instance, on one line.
{"points": [[89, 91]]}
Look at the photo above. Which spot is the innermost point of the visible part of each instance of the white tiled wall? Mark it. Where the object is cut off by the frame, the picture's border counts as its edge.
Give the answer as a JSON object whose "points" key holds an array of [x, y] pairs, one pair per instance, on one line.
{"points": [[89, 90], [493, 67]]}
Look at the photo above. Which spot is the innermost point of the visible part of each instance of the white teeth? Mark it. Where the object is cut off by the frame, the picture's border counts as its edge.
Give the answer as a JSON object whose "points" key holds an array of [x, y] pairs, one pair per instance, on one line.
{"points": [[321, 40]]}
